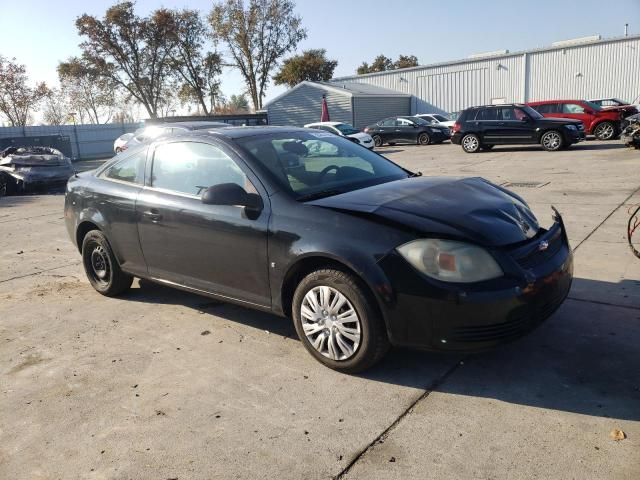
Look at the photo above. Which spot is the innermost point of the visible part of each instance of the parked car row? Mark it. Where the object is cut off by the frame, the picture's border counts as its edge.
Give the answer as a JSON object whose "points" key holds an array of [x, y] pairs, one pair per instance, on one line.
{"points": [[553, 124]]}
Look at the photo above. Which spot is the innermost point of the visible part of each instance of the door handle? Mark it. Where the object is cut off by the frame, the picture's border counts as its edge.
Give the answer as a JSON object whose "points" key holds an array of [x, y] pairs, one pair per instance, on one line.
{"points": [[153, 215]]}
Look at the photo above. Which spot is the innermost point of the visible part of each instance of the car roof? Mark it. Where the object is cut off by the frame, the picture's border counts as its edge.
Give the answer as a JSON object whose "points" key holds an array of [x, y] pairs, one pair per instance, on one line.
{"points": [[500, 105], [189, 125], [542, 102], [331, 124], [241, 132]]}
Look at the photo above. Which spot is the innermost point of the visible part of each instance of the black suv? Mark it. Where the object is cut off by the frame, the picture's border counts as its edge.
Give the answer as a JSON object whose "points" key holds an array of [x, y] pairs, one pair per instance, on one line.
{"points": [[480, 128], [394, 130]]}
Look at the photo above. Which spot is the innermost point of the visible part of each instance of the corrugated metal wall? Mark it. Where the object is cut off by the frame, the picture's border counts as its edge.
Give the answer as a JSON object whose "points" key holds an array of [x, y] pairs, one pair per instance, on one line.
{"points": [[368, 110], [606, 69], [304, 105], [87, 141], [610, 69]]}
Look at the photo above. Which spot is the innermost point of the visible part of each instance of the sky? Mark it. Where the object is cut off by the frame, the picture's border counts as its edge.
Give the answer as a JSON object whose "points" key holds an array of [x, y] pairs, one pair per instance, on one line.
{"points": [[41, 33]]}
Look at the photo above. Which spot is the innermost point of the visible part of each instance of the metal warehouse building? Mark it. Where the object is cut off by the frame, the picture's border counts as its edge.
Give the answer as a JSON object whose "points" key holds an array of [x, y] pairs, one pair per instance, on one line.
{"points": [[359, 104], [574, 69]]}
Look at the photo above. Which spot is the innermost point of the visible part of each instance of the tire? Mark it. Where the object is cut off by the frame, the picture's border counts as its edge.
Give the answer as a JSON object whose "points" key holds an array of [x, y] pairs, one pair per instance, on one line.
{"points": [[366, 342], [605, 131], [470, 143], [102, 267], [486, 147], [377, 140], [424, 139], [552, 140]]}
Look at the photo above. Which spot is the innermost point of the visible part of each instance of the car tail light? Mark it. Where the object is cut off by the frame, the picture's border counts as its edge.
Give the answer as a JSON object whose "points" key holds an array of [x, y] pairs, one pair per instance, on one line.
{"points": [[456, 128]]}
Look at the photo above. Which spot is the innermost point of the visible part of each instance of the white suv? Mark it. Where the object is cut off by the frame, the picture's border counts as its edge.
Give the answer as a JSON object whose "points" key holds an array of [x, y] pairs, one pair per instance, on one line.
{"points": [[437, 119]]}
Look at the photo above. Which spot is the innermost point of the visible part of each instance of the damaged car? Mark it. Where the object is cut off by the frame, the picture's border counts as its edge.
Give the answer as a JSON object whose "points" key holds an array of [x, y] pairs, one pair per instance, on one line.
{"points": [[360, 252], [24, 169]]}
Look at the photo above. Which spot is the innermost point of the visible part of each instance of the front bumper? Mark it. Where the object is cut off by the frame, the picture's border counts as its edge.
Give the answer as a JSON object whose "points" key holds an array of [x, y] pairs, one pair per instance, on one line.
{"points": [[433, 315]]}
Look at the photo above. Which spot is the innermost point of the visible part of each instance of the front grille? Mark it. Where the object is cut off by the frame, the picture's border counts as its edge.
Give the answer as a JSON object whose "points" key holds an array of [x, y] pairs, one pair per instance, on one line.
{"points": [[535, 255]]}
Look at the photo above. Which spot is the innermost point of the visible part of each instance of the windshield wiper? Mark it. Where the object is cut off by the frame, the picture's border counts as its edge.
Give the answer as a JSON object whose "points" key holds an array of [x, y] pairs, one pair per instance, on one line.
{"points": [[320, 194]]}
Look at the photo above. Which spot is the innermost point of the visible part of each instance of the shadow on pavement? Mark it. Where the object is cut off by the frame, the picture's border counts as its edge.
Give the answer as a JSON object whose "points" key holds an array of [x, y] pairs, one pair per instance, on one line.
{"points": [[584, 359]]}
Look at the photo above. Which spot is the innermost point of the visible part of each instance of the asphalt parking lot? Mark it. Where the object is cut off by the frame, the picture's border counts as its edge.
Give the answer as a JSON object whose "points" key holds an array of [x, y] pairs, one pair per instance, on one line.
{"points": [[161, 384]]}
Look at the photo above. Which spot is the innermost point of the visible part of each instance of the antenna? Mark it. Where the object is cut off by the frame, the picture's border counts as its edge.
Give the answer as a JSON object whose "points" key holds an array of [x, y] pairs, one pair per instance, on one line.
{"points": [[626, 29]]}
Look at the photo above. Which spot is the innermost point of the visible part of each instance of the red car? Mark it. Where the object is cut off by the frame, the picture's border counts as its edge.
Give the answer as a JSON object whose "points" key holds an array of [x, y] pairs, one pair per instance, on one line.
{"points": [[603, 123]]}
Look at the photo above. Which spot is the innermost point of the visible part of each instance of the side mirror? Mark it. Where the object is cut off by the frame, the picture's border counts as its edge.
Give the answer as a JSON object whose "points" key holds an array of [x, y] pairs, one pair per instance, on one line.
{"points": [[231, 194], [414, 125]]}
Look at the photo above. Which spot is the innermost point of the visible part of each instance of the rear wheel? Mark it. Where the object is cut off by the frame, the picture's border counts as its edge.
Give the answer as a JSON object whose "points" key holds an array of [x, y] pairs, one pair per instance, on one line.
{"points": [[337, 321], [424, 139], [377, 140], [552, 141], [101, 265], [605, 131], [470, 143]]}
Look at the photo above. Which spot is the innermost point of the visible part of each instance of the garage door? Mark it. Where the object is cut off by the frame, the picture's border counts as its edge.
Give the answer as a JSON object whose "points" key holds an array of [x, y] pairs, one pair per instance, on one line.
{"points": [[454, 91]]}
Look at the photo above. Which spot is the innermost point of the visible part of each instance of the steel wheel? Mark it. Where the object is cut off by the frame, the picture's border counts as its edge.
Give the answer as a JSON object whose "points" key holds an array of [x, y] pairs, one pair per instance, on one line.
{"points": [[605, 131], [100, 265], [330, 323], [551, 140], [470, 143], [377, 140]]}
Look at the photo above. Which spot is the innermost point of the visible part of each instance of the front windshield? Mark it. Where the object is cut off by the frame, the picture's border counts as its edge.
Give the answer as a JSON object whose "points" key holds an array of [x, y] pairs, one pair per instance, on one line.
{"points": [[594, 106], [319, 164], [440, 118], [346, 129], [532, 113]]}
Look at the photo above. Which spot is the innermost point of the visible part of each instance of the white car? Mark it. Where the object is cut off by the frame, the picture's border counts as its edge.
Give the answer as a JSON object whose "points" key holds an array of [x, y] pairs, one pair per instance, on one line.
{"points": [[344, 130], [437, 119], [121, 141]]}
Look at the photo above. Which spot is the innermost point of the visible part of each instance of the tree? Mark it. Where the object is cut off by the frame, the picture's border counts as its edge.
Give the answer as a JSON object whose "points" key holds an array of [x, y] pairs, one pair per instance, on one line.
{"points": [[257, 38], [197, 70], [91, 95], [406, 61], [56, 108], [382, 64], [312, 65], [131, 51], [235, 104], [17, 98]]}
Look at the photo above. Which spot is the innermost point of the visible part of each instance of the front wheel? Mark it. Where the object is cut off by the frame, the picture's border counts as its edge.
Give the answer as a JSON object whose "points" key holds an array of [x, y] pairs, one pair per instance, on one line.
{"points": [[605, 131], [470, 143], [424, 139], [337, 322], [377, 140], [552, 141], [102, 267]]}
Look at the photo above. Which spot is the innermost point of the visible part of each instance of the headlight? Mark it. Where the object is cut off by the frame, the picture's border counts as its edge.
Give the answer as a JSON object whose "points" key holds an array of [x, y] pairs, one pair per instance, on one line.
{"points": [[571, 127], [450, 261]]}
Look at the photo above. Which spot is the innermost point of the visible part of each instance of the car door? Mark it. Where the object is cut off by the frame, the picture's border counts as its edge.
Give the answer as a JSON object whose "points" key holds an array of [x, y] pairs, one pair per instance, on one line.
{"points": [[387, 129], [513, 125], [406, 130], [212, 248], [114, 201], [487, 126]]}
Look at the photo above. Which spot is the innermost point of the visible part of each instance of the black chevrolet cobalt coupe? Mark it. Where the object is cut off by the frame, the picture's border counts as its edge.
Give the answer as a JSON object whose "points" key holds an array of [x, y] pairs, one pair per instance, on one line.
{"points": [[360, 252]]}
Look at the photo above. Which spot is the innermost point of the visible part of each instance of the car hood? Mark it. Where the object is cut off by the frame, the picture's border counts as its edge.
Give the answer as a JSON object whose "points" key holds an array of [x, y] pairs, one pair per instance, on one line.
{"points": [[470, 209]]}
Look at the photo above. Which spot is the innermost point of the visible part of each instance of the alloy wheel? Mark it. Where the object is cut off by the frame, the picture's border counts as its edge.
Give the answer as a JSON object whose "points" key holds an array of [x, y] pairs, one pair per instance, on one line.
{"points": [[604, 131], [470, 143], [551, 140], [330, 323]]}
